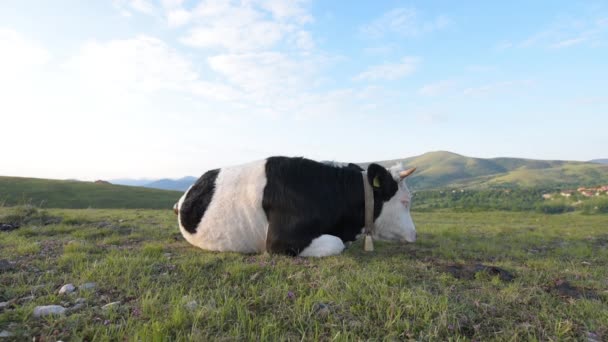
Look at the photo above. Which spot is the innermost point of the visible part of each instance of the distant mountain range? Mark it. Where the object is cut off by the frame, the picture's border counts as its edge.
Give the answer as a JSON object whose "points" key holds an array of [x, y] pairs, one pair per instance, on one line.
{"points": [[446, 169], [180, 184]]}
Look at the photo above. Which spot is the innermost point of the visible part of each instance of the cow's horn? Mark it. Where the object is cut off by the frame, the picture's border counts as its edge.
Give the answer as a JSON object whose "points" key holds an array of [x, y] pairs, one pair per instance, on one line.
{"points": [[406, 173]]}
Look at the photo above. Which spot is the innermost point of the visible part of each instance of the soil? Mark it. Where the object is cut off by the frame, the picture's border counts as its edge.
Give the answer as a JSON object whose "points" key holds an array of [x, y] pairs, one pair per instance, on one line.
{"points": [[469, 271]]}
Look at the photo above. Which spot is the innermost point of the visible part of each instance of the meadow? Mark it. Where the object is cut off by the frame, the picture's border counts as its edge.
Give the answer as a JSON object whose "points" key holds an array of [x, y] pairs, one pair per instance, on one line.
{"points": [[495, 275]]}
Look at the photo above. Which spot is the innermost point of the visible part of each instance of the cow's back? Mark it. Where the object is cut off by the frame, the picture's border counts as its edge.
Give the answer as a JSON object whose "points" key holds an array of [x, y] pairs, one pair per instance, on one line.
{"points": [[228, 208]]}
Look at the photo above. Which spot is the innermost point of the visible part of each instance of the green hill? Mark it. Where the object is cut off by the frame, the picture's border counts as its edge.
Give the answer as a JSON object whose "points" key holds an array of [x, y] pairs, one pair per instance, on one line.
{"points": [[445, 169], [73, 194]]}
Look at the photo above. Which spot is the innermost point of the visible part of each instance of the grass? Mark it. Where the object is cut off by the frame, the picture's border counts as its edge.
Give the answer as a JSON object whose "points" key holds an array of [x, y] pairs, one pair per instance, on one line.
{"points": [[171, 291], [78, 195]]}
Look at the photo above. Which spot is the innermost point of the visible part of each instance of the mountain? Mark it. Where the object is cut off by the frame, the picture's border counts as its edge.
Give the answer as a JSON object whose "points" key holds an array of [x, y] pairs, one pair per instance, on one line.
{"points": [[181, 184], [599, 161], [447, 169], [71, 194], [132, 182]]}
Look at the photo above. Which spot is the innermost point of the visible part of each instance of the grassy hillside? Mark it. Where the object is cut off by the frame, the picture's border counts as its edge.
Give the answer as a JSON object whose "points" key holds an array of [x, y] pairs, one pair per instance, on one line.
{"points": [[166, 290], [446, 169], [72, 194]]}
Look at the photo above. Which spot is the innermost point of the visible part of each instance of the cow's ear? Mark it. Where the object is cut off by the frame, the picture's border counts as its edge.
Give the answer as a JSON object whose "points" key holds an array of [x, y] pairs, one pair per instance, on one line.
{"points": [[378, 177]]}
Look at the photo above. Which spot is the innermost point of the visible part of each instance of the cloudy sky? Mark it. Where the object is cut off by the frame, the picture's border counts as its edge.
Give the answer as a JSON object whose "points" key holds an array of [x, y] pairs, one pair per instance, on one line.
{"points": [[146, 88]]}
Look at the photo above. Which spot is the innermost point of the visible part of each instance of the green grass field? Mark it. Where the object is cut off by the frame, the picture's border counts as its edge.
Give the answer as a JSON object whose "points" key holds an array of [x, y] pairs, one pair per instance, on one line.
{"points": [[169, 290], [51, 193]]}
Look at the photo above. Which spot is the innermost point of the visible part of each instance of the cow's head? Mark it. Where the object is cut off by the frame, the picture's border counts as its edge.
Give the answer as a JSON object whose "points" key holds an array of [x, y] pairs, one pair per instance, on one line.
{"points": [[393, 198]]}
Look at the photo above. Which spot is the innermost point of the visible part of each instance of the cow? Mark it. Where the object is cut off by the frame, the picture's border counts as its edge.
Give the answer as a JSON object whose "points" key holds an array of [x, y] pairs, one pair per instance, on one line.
{"points": [[294, 206]]}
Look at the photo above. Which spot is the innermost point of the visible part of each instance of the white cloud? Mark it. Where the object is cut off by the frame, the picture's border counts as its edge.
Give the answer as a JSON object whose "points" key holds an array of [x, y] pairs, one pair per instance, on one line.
{"points": [[389, 71], [244, 26], [265, 76], [142, 6], [565, 33], [258, 35], [304, 41], [178, 17], [142, 63], [569, 42], [287, 10], [498, 86], [436, 88], [403, 21], [19, 54], [171, 3]]}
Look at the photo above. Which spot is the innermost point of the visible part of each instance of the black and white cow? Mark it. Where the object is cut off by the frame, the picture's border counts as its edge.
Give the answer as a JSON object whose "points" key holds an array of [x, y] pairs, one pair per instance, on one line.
{"points": [[293, 206]]}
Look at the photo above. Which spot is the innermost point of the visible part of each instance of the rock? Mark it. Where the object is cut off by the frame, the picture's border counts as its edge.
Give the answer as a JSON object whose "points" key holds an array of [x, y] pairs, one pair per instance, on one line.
{"points": [[321, 310], [7, 227], [6, 333], [6, 265], [67, 288], [26, 299], [81, 301], [4, 305], [191, 305], [87, 286], [47, 310], [109, 306], [593, 337], [77, 307]]}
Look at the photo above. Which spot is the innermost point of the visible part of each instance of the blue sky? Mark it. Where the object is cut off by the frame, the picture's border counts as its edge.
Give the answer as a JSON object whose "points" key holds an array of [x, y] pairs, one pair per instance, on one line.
{"points": [[143, 88]]}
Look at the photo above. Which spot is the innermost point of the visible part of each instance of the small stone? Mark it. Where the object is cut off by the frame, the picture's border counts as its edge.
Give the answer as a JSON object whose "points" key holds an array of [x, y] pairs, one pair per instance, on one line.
{"points": [[7, 227], [593, 337], [6, 265], [26, 299], [109, 306], [321, 310], [4, 305], [191, 305], [87, 286], [77, 307], [80, 301], [6, 333], [67, 288], [47, 310]]}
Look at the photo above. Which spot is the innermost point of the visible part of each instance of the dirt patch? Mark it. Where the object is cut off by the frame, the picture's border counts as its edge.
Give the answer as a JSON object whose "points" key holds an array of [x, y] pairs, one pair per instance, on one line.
{"points": [[6, 265], [461, 271], [564, 289]]}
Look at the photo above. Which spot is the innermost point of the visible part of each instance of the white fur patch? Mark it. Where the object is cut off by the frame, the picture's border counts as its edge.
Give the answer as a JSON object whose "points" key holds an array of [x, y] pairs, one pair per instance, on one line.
{"points": [[234, 220], [324, 245], [395, 221]]}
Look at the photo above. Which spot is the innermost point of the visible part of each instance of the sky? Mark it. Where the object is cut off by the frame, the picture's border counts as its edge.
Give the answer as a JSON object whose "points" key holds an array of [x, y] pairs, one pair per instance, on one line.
{"points": [[169, 88]]}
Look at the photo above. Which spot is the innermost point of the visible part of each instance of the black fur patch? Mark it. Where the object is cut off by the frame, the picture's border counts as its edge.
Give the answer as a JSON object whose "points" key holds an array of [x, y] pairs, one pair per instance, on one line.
{"points": [[388, 186], [196, 202], [304, 199]]}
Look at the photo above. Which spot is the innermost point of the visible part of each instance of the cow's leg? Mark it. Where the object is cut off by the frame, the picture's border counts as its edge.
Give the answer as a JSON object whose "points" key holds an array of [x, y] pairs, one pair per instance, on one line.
{"points": [[293, 235], [324, 245]]}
